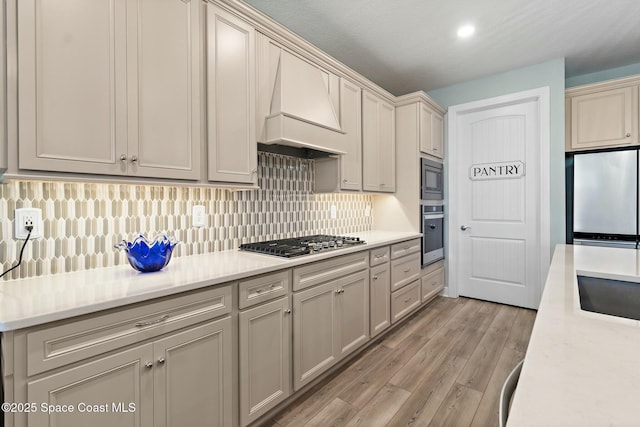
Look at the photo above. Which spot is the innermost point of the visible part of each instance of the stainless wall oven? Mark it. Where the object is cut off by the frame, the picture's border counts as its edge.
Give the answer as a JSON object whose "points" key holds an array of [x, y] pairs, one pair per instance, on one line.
{"points": [[432, 228]]}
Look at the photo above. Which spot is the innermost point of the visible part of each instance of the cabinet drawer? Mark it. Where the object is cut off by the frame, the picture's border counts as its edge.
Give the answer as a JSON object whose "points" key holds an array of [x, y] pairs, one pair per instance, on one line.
{"points": [[405, 301], [263, 288], [432, 284], [405, 248], [404, 271], [323, 271], [86, 336], [379, 256]]}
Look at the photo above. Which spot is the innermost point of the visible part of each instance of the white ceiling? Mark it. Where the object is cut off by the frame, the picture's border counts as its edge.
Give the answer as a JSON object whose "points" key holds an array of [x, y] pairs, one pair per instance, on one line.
{"points": [[409, 45]]}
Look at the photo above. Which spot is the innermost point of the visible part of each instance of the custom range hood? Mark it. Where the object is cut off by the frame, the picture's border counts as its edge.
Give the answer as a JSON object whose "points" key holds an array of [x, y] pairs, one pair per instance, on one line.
{"points": [[302, 113]]}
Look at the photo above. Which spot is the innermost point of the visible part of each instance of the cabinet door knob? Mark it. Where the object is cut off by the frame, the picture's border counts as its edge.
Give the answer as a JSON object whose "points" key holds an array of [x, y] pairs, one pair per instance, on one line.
{"points": [[337, 291], [123, 157], [628, 134], [161, 361], [134, 159], [287, 311], [148, 365], [375, 277]]}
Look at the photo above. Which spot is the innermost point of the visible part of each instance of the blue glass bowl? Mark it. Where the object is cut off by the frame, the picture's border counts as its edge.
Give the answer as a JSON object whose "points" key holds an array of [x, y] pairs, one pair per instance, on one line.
{"points": [[148, 257]]}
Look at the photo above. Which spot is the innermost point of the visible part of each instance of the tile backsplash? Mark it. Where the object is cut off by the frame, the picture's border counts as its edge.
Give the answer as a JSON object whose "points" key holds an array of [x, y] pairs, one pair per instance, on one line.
{"points": [[82, 221]]}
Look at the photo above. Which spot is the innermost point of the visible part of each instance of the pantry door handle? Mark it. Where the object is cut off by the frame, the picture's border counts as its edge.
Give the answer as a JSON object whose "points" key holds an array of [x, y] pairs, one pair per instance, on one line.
{"points": [[465, 227]]}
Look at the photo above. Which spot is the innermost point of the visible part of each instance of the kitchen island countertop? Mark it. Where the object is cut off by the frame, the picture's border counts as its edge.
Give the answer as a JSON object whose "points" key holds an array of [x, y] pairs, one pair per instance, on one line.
{"points": [[581, 368], [38, 300]]}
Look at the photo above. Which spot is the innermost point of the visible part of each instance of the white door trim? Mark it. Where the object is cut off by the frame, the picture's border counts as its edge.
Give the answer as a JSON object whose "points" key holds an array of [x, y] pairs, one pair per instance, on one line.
{"points": [[541, 95]]}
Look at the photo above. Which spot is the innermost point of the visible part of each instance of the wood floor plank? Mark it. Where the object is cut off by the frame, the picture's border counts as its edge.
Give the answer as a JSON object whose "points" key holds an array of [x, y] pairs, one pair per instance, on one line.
{"points": [[425, 400], [487, 413], [367, 386], [312, 402], [335, 414], [482, 362], [521, 331], [419, 322], [458, 408], [379, 410], [429, 376], [360, 392]]}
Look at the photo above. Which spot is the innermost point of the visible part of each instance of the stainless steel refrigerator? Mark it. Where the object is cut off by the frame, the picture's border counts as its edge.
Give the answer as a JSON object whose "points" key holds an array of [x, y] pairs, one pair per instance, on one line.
{"points": [[605, 198]]}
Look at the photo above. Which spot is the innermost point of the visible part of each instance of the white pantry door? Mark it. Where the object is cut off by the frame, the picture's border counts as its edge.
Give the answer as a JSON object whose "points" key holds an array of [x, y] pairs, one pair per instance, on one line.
{"points": [[497, 201]]}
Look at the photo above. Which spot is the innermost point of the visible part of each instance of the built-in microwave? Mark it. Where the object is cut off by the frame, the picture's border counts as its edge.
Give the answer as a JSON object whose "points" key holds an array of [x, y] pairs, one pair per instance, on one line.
{"points": [[431, 180]]}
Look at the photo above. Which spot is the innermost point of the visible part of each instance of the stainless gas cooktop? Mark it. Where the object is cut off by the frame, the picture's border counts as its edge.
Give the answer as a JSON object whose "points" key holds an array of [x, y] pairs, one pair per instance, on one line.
{"points": [[298, 246]]}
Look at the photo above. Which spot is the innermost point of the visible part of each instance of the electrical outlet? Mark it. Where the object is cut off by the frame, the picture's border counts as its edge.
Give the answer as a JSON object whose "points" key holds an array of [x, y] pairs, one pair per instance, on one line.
{"points": [[198, 216], [28, 217], [334, 212], [367, 210]]}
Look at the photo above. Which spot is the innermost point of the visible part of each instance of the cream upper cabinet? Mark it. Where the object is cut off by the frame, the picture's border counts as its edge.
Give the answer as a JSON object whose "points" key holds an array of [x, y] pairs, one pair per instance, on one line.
{"points": [[231, 85], [344, 172], [431, 131], [351, 122], [602, 118], [378, 144], [110, 87], [3, 91]]}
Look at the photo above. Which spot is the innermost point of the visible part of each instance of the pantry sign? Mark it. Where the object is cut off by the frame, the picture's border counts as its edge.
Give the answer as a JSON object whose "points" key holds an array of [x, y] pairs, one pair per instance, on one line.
{"points": [[503, 170]]}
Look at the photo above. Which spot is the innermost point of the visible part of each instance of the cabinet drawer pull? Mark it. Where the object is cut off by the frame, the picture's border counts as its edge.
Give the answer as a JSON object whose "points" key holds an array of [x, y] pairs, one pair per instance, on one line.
{"points": [[407, 270], [379, 256], [152, 322], [161, 361], [148, 365], [407, 300]]}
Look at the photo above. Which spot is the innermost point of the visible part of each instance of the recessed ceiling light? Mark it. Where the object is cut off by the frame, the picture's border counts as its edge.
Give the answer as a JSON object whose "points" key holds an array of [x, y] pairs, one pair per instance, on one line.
{"points": [[466, 31]]}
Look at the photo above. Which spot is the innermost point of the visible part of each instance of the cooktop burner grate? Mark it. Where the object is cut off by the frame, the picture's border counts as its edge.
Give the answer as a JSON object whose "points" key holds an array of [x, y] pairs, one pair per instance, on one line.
{"points": [[301, 245]]}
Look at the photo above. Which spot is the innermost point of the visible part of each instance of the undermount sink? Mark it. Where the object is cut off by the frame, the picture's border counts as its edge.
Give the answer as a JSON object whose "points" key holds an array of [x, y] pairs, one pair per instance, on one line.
{"points": [[607, 296]]}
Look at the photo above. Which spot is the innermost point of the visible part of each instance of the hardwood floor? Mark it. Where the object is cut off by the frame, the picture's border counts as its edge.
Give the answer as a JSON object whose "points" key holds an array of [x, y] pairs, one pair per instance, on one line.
{"points": [[444, 367]]}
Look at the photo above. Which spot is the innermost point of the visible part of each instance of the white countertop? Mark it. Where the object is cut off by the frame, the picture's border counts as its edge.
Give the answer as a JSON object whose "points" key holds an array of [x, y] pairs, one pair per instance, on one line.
{"points": [[581, 368], [33, 301]]}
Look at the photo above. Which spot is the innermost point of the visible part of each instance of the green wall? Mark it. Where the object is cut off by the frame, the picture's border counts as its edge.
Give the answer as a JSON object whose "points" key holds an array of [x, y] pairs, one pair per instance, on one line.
{"points": [[611, 73], [549, 74]]}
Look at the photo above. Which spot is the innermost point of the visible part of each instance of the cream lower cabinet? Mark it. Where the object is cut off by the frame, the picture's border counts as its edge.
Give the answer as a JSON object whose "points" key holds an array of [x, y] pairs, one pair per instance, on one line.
{"points": [[110, 87], [265, 358], [378, 144], [231, 98], [179, 380], [164, 363], [405, 278], [379, 290], [121, 379], [330, 321]]}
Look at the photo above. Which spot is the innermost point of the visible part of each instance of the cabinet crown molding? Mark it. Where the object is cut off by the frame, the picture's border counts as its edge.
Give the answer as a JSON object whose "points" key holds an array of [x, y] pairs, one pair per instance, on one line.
{"points": [[419, 96], [604, 85]]}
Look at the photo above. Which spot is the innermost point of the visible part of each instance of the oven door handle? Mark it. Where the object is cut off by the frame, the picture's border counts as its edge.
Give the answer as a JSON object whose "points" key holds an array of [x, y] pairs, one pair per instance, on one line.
{"points": [[433, 216], [432, 226]]}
